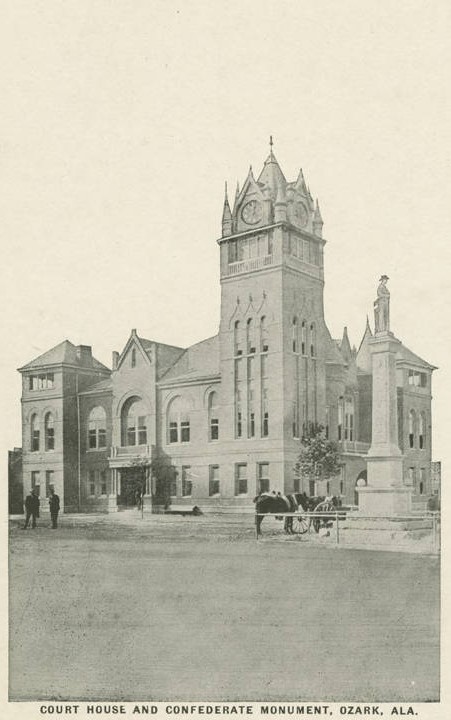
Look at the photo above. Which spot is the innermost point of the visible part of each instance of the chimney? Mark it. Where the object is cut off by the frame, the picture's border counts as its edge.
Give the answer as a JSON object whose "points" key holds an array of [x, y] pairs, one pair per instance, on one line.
{"points": [[115, 360], [84, 355]]}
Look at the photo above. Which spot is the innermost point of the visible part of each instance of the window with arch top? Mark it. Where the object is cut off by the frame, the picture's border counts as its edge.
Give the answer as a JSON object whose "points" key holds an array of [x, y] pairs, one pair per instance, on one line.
{"points": [[49, 424], [422, 431], [303, 338], [97, 428], [412, 428], [213, 418], [134, 422], [312, 340], [264, 339], [250, 333], [294, 335], [34, 431]]}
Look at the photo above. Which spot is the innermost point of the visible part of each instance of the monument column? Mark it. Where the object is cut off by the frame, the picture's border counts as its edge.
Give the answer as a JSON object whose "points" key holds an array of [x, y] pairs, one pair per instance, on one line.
{"points": [[385, 493]]}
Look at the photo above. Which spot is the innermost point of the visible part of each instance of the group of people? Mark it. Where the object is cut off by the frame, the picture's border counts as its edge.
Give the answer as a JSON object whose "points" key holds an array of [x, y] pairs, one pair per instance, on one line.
{"points": [[32, 504]]}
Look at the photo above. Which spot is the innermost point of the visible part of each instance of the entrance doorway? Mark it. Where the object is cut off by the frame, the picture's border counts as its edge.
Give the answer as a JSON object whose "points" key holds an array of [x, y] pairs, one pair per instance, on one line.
{"points": [[131, 482]]}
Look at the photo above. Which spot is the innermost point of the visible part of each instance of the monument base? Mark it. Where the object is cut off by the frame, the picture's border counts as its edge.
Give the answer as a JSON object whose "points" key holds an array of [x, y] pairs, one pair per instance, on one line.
{"points": [[384, 501], [112, 504]]}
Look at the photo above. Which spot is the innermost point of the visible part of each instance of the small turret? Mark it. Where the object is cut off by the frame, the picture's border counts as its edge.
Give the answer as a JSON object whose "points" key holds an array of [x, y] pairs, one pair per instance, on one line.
{"points": [[226, 216], [318, 221]]}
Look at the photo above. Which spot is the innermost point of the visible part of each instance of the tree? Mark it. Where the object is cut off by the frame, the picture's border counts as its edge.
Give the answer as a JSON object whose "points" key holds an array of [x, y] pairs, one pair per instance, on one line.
{"points": [[164, 475], [319, 458]]}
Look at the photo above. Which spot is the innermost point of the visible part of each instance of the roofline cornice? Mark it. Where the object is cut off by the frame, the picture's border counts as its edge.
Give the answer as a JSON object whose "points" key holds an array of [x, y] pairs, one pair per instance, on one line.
{"points": [[26, 368], [284, 225], [195, 381]]}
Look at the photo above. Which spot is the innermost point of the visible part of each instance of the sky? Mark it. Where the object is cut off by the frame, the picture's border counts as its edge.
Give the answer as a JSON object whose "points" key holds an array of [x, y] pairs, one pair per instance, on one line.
{"points": [[121, 122]]}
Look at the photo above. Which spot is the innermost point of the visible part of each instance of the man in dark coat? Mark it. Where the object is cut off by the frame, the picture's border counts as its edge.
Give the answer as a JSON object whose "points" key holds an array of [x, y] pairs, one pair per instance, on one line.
{"points": [[31, 508], [54, 503]]}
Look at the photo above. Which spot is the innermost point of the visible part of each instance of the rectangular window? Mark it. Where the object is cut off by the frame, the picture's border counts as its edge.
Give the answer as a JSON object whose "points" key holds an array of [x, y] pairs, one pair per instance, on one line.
{"points": [[49, 481], [50, 438], [422, 486], [92, 483], [187, 485], [184, 431], [92, 436], [241, 479], [233, 251], [263, 477], [35, 440], [173, 486], [340, 420], [35, 481], [173, 432], [103, 483], [295, 420], [214, 480], [142, 431], [102, 437], [296, 484], [214, 428]]}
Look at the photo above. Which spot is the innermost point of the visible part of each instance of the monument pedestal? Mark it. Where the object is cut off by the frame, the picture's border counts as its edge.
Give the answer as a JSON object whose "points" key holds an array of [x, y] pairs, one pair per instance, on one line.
{"points": [[384, 501]]}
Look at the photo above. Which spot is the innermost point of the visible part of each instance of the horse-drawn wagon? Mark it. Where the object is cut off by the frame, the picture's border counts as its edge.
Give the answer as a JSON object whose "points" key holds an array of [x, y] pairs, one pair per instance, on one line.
{"points": [[300, 512]]}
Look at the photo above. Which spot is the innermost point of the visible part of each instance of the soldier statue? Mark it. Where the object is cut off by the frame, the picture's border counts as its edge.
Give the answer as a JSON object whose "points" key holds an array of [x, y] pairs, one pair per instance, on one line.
{"points": [[382, 307]]}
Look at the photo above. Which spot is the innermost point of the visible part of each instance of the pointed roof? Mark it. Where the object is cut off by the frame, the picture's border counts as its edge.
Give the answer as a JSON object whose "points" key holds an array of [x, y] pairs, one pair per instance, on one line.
{"points": [[65, 354], [345, 346], [407, 356], [363, 359], [271, 175], [226, 213], [317, 217]]}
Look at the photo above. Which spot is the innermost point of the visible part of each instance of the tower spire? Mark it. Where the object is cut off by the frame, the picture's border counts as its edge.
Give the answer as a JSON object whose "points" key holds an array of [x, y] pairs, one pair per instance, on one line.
{"points": [[226, 215]]}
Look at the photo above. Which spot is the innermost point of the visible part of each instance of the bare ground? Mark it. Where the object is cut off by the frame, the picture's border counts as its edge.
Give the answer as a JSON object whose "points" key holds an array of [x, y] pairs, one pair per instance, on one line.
{"points": [[195, 609]]}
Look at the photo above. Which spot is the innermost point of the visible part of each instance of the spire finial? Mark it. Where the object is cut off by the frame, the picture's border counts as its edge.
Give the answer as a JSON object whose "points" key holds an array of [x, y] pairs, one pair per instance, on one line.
{"points": [[270, 142], [226, 196]]}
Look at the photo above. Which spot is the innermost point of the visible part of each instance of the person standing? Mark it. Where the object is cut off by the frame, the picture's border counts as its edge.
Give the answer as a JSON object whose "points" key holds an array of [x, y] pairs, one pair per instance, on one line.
{"points": [[31, 508], [54, 503]]}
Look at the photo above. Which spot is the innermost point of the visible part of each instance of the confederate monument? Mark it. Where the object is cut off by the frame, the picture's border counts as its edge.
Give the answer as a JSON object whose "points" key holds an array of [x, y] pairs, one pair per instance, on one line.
{"points": [[385, 493]]}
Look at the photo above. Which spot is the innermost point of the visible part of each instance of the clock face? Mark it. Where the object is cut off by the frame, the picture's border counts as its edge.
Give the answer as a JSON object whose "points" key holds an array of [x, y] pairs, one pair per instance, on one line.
{"points": [[252, 212], [301, 214]]}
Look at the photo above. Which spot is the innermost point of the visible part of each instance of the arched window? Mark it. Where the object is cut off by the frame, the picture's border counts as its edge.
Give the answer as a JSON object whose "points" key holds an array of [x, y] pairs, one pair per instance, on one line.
{"points": [[97, 428], [422, 431], [303, 337], [312, 340], [294, 335], [238, 340], [264, 339], [349, 418], [340, 418], [133, 358], [49, 432], [411, 428], [213, 419], [34, 429], [250, 332], [134, 422], [178, 421]]}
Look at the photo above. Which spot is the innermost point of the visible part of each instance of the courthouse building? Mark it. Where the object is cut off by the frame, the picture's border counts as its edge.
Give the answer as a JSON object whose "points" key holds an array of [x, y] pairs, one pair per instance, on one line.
{"points": [[227, 413]]}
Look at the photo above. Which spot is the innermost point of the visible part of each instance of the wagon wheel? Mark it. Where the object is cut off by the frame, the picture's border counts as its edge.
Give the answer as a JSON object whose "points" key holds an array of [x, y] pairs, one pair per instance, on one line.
{"points": [[319, 521], [301, 524]]}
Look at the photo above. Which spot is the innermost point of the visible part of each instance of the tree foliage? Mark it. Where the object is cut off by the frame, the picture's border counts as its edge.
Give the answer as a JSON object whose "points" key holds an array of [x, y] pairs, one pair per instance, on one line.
{"points": [[319, 458]]}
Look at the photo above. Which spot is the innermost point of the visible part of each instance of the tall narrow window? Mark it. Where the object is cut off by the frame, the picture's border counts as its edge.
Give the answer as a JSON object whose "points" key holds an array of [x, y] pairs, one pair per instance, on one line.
{"points": [[263, 477], [97, 429], [411, 428], [349, 419], [232, 247], [340, 419], [34, 426], [421, 431], [251, 397], [241, 479], [312, 340], [213, 417], [92, 483], [214, 480], [238, 340], [303, 337], [326, 423], [295, 419], [187, 484], [264, 339], [422, 486], [250, 331], [264, 396], [240, 389], [35, 479], [49, 432], [103, 482], [294, 335], [133, 358]]}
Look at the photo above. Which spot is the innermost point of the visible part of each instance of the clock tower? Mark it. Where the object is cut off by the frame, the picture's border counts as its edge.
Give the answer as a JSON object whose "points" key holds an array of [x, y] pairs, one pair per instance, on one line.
{"points": [[273, 338]]}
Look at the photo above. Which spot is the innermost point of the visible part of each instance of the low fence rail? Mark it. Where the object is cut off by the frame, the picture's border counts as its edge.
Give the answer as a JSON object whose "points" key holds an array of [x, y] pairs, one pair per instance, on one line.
{"points": [[337, 516]]}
